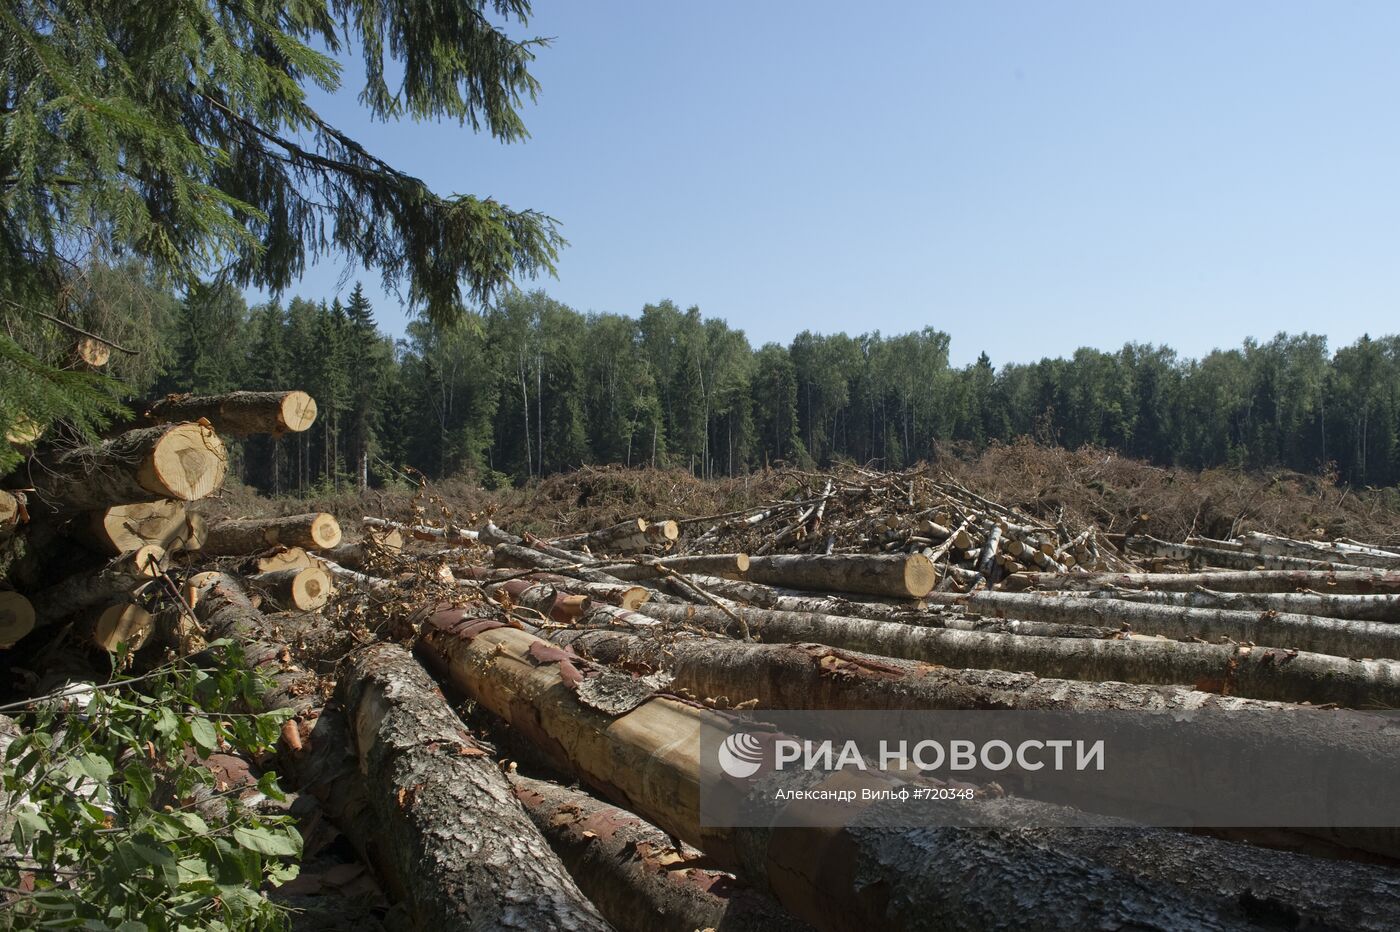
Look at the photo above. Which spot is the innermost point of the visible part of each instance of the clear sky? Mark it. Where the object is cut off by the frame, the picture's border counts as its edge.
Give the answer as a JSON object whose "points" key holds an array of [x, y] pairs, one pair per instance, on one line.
{"points": [[1029, 177]]}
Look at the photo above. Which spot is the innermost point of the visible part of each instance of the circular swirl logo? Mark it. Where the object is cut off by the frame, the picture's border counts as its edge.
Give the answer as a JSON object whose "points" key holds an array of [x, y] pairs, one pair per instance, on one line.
{"points": [[740, 755]]}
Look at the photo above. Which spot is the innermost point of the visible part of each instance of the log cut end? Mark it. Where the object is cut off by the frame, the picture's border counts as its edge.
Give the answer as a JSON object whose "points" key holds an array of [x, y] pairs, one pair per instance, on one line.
{"points": [[297, 412], [663, 532], [92, 351], [122, 624], [919, 575], [124, 528], [324, 531], [282, 558], [148, 559], [16, 618], [193, 535], [633, 597], [312, 588], [9, 512], [187, 463]]}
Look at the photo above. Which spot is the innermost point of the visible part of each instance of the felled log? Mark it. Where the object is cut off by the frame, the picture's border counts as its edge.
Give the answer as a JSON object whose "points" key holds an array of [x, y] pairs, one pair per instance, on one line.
{"points": [[279, 558], [551, 602], [528, 557], [16, 617], [313, 531], [1253, 672], [1231, 559], [619, 594], [662, 533], [176, 461], [11, 512], [834, 878], [726, 565], [123, 528], [455, 843], [422, 532], [626, 537], [1357, 582], [240, 413], [1337, 636], [112, 626], [636, 875], [102, 585], [306, 588], [1320, 550], [908, 576], [358, 554], [1321, 604]]}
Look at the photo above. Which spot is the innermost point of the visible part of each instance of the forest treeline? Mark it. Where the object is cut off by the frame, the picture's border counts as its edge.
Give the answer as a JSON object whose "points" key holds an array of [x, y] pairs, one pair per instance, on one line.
{"points": [[533, 387]]}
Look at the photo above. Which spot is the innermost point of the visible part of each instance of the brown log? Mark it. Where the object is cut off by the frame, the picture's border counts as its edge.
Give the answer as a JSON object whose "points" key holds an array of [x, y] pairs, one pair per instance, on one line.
{"points": [[662, 533], [522, 556], [1253, 672], [12, 512], [123, 528], [725, 565], [901, 576], [278, 558], [16, 617], [313, 531], [112, 626], [636, 874], [841, 878], [179, 461], [238, 413], [456, 844], [1320, 604], [626, 537], [1337, 636], [1360, 582], [103, 585], [305, 589], [619, 594], [551, 602]]}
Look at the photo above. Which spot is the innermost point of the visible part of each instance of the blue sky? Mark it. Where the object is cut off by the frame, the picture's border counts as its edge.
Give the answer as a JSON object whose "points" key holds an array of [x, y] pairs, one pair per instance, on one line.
{"points": [[1029, 177]]}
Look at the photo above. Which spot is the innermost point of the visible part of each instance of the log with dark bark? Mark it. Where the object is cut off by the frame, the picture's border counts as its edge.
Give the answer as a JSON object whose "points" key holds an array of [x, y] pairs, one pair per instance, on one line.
{"points": [[1253, 672], [306, 588], [316, 530], [101, 585], [1357, 582], [239, 413], [176, 461], [637, 876], [455, 843], [840, 878], [626, 537], [1337, 636], [908, 576], [519, 555]]}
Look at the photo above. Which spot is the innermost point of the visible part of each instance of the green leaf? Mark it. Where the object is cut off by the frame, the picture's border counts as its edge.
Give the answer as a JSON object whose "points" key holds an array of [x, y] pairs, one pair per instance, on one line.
{"points": [[98, 768], [204, 736], [266, 842]]}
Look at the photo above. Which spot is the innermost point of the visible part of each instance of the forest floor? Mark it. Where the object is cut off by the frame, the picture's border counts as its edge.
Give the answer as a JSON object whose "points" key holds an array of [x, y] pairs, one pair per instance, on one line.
{"points": [[1085, 486]]}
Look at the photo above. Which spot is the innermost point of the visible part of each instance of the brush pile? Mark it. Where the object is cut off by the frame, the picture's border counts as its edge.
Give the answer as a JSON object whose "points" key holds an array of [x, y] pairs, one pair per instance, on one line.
{"points": [[564, 794]]}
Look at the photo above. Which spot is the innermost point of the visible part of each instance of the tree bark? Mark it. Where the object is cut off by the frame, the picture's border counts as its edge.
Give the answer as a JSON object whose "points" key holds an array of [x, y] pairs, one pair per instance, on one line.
{"points": [[179, 461], [1358, 582], [449, 833], [313, 531], [238, 413], [909, 576], [635, 873], [1320, 550], [844, 878], [1385, 608], [454, 535], [1253, 672], [521, 556], [1336, 636], [626, 537], [100, 586], [306, 588], [1231, 559], [727, 565]]}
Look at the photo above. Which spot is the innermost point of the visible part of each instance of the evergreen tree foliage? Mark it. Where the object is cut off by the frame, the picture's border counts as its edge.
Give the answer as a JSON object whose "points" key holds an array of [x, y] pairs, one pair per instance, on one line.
{"points": [[177, 135]]}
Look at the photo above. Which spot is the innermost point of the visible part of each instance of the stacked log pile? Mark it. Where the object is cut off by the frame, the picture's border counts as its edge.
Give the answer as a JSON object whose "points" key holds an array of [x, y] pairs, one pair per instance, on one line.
{"points": [[593, 661]]}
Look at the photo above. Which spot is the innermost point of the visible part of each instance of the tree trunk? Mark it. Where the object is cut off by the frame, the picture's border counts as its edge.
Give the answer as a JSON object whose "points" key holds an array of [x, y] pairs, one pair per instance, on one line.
{"points": [[1331, 551], [314, 531], [239, 413], [635, 873], [627, 537], [101, 586], [1231, 559], [180, 461], [908, 576], [1385, 608], [521, 556], [728, 565], [445, 827], [305, 589], [841, 878], [16, 618], [454, 535], [1259, 673], [1358, 582], [1336, 636]]}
